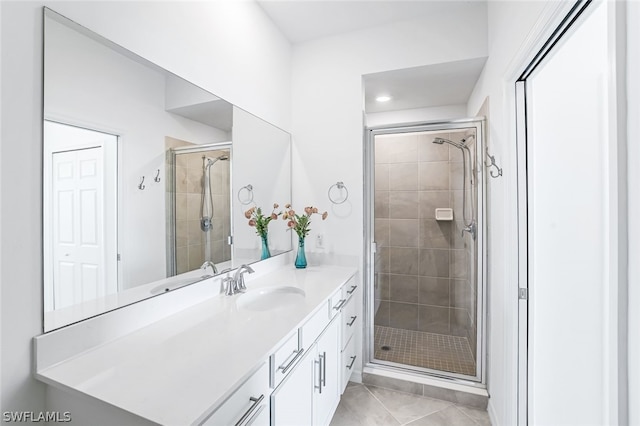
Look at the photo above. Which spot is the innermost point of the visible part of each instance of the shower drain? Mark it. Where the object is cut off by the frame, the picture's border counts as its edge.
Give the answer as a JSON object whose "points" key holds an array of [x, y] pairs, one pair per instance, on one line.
{"points": [[385, 348]]}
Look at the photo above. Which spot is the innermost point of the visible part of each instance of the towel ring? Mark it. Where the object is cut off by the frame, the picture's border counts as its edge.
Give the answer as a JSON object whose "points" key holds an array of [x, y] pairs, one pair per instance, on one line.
{"points": [[339, 186], [249, 198]]}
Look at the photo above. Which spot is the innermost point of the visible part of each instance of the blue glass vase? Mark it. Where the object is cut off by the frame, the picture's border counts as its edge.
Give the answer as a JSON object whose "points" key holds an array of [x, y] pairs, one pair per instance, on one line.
{"points": [[301, 258], [265, 247]]}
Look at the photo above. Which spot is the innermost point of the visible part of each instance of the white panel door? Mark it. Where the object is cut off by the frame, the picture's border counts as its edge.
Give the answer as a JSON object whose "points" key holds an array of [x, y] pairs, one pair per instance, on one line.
{"points": [[573, 228], [78, 218]]}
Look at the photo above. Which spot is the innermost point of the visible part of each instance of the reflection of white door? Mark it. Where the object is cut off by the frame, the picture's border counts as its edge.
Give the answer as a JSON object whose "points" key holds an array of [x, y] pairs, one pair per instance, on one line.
{"points": [[78, 248], [80, 215]]}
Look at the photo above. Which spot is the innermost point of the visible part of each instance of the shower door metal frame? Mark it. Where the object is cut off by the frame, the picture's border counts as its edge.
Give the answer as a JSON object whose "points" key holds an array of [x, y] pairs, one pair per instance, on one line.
{"points": [[171, 178], [479, 379]]}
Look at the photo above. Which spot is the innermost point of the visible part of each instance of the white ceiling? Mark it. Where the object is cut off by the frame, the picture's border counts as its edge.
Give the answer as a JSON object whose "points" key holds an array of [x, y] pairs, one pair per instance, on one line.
{"points": [[304, 20], [428, 86], [435, 85]]}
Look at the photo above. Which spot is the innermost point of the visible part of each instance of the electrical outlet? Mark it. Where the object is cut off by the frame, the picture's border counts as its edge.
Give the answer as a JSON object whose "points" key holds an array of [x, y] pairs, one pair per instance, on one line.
{"points": [[319, 241]]}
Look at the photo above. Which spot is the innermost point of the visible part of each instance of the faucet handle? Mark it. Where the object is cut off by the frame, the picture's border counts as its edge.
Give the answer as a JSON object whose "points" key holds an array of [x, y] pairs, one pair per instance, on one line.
{"points": [[229, 286]]}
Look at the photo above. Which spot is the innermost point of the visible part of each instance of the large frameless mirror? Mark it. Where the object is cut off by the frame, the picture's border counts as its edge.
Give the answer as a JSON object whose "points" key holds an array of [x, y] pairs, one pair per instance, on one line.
{"points": [[146, 178]]}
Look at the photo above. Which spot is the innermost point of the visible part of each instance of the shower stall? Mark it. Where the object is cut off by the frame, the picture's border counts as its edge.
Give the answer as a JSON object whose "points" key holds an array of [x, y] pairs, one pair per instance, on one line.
{"points": [[425, 249], [198, 204]]}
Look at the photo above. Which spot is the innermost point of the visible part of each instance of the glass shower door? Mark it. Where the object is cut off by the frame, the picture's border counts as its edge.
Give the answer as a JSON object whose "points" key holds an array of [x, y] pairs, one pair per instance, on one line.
{"points": [[424, 295]]}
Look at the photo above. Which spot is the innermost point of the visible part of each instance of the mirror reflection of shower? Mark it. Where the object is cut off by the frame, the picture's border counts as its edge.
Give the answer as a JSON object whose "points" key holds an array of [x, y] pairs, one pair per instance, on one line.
{"points": [[206, 200], [468, 216], [198, 202]]}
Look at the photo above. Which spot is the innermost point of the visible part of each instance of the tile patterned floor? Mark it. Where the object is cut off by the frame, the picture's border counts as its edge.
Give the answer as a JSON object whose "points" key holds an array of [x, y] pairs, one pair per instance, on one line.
{"points": [[427, 350], [373, 406]]}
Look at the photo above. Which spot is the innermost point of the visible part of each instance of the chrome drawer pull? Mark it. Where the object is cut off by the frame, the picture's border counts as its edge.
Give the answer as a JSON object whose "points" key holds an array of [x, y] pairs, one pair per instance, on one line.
{"points": [[319, 386], [340, 304], [353, 288], [324, 369], [284, 368], [353, 319], [254, 406], [353, 360]]}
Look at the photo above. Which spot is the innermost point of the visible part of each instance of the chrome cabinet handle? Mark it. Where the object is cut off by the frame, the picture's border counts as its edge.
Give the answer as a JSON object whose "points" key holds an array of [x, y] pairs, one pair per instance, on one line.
{"points": [[353, 319], [324, 369], [353, 360], [353, 288], [340, 304], [298, 353], [319, 385], [249, 412]]}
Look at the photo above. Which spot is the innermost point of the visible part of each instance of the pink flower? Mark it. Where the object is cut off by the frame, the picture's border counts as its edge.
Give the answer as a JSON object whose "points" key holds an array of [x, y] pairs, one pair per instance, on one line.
{"points": [[291, 224], [247, 214], [252, 222], [287, 206], [275, 205], [315, 210], [324, 215], [308, 210], [274, 216]]}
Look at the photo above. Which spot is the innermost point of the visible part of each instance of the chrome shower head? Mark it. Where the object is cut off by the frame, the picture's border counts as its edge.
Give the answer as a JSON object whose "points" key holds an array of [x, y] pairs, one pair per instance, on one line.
{"points": [[209, 161], [441, 141]]}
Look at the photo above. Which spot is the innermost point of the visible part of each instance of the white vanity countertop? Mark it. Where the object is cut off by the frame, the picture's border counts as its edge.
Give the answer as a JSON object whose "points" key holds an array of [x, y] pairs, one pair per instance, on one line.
{"points": [[175, 370]]}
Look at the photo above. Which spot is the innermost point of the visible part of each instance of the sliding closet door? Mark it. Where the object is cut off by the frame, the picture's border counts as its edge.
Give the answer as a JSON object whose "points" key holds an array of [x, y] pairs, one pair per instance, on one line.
{"points": [[573, 214]]}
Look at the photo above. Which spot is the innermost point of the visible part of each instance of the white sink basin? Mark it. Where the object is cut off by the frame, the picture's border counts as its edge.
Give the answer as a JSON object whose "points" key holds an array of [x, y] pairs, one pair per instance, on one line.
{"points": [[264, 299]]}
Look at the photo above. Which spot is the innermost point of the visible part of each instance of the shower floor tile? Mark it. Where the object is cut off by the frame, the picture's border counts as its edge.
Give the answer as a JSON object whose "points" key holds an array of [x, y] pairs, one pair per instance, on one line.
{"points": [[426, 350]]}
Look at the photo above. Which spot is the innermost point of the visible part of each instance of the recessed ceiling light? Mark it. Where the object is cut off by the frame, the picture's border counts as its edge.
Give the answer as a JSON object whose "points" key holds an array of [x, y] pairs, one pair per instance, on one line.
{"points": [[383, 98]]}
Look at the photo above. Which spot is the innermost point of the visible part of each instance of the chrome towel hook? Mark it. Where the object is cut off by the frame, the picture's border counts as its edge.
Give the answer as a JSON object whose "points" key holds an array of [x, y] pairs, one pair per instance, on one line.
{"points": [[141, 185], [340, 186], [157, 178], [493, 164]]}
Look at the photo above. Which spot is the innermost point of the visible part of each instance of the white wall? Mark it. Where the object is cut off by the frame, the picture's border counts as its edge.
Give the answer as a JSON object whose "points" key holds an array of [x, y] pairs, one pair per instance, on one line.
{"points": [[509, 26], [416, 115], [328, 104], [230, 49]]}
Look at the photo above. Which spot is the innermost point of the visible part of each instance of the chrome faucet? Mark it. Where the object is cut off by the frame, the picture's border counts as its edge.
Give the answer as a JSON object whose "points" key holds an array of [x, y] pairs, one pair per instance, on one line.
{"points": [[235, 284], [208, 263], [238, 278]]}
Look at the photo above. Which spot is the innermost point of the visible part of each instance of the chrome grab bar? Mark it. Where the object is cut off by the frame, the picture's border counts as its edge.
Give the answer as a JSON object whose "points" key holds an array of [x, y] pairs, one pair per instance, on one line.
{"points": [[353, 319], [298, 354], [249, 412]]}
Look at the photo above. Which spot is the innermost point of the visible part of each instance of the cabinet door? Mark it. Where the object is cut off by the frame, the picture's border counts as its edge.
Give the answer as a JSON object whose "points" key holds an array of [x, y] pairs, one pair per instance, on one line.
{"points": [[327, 374], [292, 400]]}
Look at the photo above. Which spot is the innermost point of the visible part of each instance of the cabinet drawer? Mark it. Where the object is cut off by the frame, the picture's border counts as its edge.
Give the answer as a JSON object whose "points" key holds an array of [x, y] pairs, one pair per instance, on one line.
{"points": [[336, 302], [284, 359], [246, 405], [314, 326], [349, 358], [350, 322]]}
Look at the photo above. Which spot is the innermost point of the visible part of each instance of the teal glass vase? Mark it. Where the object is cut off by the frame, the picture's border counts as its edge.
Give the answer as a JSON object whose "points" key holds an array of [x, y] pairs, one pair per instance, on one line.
{"points": [[265, 247], [301, 258]]}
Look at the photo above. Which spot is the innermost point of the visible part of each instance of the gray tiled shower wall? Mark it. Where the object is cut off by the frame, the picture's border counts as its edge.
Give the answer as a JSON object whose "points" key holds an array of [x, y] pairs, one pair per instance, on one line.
{"points": [[425, 269]]}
